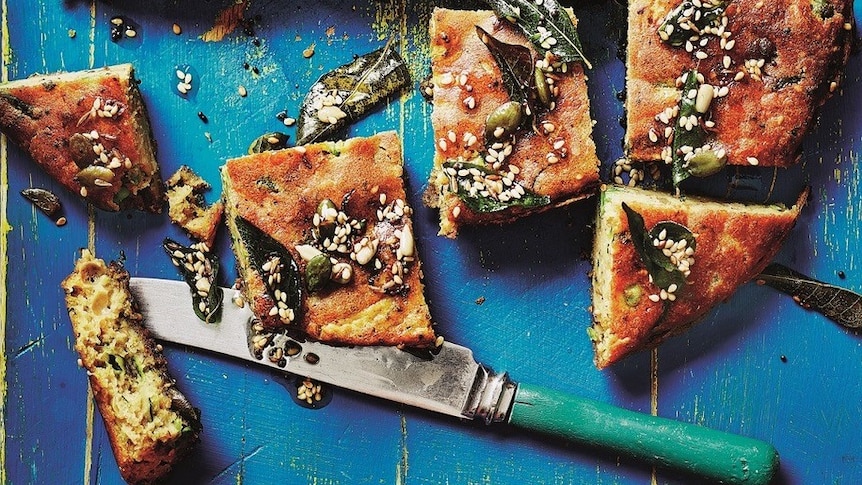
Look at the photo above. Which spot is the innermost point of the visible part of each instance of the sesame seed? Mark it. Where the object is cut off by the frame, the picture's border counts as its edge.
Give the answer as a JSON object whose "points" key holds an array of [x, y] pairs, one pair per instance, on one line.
{"points": [[701, 55], [243, 92], [61, 222], [456, 212], [752, 160], [452, 136], [177, 29]]}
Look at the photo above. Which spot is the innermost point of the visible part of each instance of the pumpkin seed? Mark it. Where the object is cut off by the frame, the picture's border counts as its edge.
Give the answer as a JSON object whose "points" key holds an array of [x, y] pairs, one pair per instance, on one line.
{"points": [[507, 116], [542, 88], [706, 163], [318, 272], [81, 150], [46, 201], [95, 175]]}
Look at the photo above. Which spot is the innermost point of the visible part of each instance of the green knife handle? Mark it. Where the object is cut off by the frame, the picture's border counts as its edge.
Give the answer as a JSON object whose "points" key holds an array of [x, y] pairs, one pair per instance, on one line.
{"points": [[717, 455]]}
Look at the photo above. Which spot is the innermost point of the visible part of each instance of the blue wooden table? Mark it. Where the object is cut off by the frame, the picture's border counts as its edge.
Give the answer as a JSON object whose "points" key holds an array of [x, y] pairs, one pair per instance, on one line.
{"points": [[759, 365]]}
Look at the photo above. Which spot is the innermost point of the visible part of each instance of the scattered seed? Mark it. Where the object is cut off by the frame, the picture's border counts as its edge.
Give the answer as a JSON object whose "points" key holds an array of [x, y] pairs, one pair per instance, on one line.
{"points": [[177, 29], [242, 91]]}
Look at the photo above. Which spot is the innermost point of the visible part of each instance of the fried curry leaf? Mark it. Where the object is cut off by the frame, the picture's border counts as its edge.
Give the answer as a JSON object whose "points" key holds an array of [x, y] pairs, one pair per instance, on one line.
{"points": [[348, 92], [464, 177], [690, 135], [546, 24], [695, 15], [840, 305], [285, 274], [664, 273], [195, 265], [516, 66]]}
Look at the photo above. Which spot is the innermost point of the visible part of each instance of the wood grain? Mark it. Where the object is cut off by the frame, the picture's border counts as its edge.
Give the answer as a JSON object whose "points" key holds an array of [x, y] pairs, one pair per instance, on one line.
{"points": [[530, 277]]}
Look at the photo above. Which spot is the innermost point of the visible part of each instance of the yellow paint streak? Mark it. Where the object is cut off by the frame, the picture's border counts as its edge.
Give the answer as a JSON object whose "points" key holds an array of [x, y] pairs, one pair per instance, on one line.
{"points": [[401, 467], [4, 241]]}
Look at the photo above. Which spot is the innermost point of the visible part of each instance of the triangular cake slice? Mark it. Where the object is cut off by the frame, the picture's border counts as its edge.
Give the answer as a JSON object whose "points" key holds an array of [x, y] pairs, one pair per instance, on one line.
{"points": [[550, 164], [89, 130], [712, 248], [763, 69], [324, 240]]}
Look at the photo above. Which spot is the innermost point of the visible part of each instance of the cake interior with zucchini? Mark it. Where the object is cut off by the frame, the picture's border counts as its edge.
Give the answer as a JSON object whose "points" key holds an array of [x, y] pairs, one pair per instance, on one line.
{"points": [[150, 424], [89, 130], [661, 262], [324, 242], [512, 126], [733, 82]]}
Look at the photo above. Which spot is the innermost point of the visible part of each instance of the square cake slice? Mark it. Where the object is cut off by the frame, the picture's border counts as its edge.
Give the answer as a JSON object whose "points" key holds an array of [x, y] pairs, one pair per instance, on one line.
{"points": [[324, 240], [698, 252], [763, 69], [89, 130], [552, 160]]}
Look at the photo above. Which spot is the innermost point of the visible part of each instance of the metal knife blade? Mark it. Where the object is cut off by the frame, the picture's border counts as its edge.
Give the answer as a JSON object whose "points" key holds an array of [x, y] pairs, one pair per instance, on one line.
{"points": [[449, 381], [443, 382]]}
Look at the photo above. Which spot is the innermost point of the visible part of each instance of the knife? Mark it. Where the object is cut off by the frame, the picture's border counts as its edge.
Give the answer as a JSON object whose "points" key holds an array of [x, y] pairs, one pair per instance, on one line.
{"points": [[450, 381]]}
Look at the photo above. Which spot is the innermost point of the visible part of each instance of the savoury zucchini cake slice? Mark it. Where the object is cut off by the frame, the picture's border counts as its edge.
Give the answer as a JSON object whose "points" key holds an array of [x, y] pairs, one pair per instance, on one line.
{"points": [[660, 263], [549, 162], [89, 130], [150, 424], [763, 69], [324, 242]]}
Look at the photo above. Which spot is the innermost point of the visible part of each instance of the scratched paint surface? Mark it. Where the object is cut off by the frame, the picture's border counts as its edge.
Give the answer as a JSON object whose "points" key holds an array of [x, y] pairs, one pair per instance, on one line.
{"points": [[727, 373]]}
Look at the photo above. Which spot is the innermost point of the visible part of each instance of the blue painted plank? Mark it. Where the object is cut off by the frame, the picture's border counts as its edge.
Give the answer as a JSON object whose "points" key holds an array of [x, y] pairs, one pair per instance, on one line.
{"points": [[531, 279]]}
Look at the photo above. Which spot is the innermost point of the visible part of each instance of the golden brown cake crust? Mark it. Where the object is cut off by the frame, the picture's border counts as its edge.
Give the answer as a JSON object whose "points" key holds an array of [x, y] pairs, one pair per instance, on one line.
{"points": [[279, 191], [457, 51], [734, 243], [763, 120], [150, 424], [41, 114]]}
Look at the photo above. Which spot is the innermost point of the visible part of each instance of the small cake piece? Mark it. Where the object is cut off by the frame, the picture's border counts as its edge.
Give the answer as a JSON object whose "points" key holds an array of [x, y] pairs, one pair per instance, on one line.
{"points": [[324, 240], [150, 424], [187, 208], [88, 130], [698, 253], [551, 163], [765, 68]]}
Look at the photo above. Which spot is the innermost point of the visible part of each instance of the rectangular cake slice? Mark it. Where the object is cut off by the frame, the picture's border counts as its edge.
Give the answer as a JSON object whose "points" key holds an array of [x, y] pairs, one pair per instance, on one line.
{"points": [[324, 240], [552, 161], [151, 425]]}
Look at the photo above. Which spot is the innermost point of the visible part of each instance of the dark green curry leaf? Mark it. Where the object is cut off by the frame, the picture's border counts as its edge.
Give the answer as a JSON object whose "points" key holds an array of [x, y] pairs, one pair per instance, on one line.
{"points": [[692, 13], [516, 66], [285, 277], [682, 135], [663, 272], [546, 24], [348, 92], [194, 265], [486, 203], [838, 304]]}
